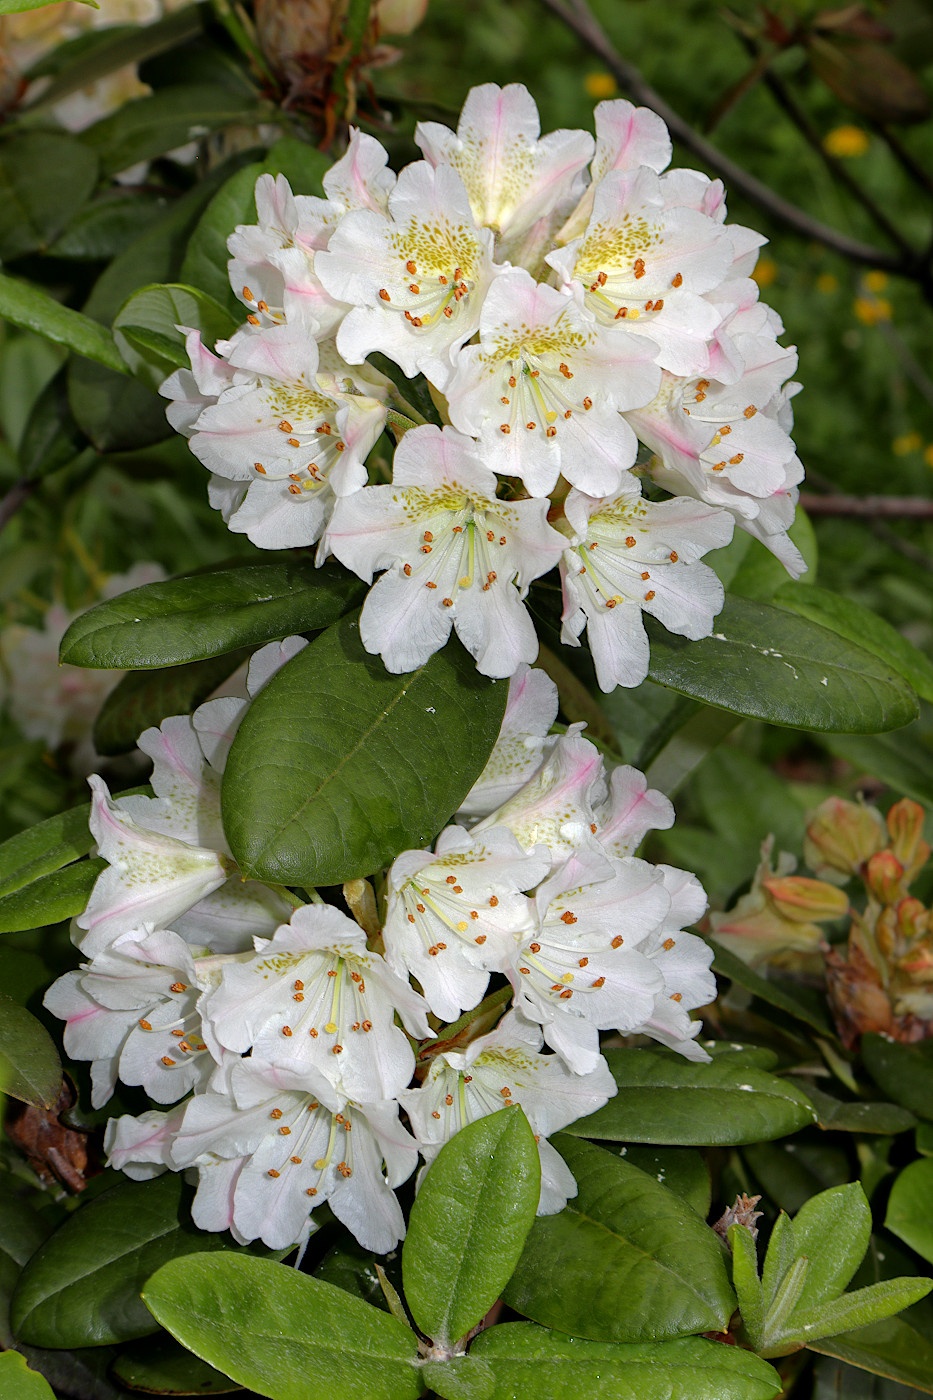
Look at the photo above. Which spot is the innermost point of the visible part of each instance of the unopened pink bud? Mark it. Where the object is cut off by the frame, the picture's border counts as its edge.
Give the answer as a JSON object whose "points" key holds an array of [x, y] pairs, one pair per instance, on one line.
{"points": [[841, 836]]}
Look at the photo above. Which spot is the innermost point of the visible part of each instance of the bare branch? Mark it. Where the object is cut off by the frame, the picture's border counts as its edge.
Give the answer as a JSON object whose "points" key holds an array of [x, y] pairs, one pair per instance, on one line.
{"points": [[872, 507], [577, 15]]}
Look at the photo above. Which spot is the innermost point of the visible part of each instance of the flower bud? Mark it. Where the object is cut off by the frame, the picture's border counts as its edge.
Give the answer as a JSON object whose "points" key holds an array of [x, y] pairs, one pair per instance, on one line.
{"points": [[905, 824], [841, 836], [797, 898], [400, 16], [884, 878], [913, 919], [857, 999]]}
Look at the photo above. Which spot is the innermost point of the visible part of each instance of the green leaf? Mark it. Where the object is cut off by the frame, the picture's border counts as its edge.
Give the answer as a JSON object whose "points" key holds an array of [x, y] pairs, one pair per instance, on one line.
{"points": [[834, 1379], [892, 1348], [664, 1098], [205, 263], [903, 1072], [94, 54], [469, 1223], [460, 1378], [44, 848], [832, 1232], [45, 178], [159, 1365], [531, 1363], [852, 1310], [103, 228], [151, 126], [759, 575], [50, 898], [795, 1001], [29, 1064], [145, 334], [765, 663], [17, 1381], [144, 698], [909, 1214], [857, 1116], [82, 1286], [682, 1170], [28, 306], [351, 1267], [51, 438], [305, 1340], [625, 1260], [747, 1284], [900, 760], [208, 614], [862, 626], [339, 765]]}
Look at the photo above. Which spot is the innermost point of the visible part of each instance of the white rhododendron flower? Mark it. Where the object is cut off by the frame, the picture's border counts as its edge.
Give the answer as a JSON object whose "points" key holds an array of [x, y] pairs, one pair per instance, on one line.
{"points": [[452, 381], [544, 388], [629, 556], [500, 1070], [455, 556]]}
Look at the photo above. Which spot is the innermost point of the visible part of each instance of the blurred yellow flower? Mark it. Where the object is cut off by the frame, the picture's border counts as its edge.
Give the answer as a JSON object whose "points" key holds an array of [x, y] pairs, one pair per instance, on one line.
{"points": [[870, 310], [875, 280], [906, 443], [846, 141], [600, 85], [765, 272], [928, 454], [827, 282]]}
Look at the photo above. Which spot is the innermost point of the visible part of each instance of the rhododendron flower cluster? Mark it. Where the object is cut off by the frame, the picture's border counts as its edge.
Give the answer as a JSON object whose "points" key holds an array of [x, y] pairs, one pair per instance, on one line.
{"points": [[589, 330], [301, 1058]]}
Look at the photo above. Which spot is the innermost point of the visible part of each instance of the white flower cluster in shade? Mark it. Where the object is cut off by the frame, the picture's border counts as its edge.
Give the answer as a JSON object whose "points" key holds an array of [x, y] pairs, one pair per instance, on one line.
{"points": [[288, 1041], [566, 301]]}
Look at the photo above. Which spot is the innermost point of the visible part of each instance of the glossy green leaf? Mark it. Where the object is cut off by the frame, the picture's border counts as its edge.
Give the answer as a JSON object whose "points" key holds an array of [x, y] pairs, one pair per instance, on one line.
{"points": [[115, 410], [857, 1116], [104, 227], [832, 1232], [910, 1207], [17, 1380], [144, 698], [862, 626], [625, 1260], [667, 1099], [151, 126], [50, 898], [159, 1365], [903, 1072], [31, 308], [351, 1267], [339, 765], [469, 1223], [765, 663], [82, 1287], [892, 1348], [460, 1378], [44, 848], [305, 1340], [852, 1310], [532, 1363], [205, 263], [209, 614], [144, 329], [45, 178], [682, 1170], [798, 1002], [51, 438], [29, 1064]]}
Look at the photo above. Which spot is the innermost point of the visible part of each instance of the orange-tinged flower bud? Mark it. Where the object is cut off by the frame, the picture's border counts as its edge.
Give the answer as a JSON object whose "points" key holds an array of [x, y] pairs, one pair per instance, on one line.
{"points": [[905, 823], [841, 836], [913, 919], [884, 877], [802, 900], [918, 963]]}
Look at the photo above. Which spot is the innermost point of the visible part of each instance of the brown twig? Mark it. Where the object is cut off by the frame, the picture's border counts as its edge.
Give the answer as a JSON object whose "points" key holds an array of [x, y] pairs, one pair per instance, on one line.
{"points": [[17, 496], [577, 15], [872, 507]]}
